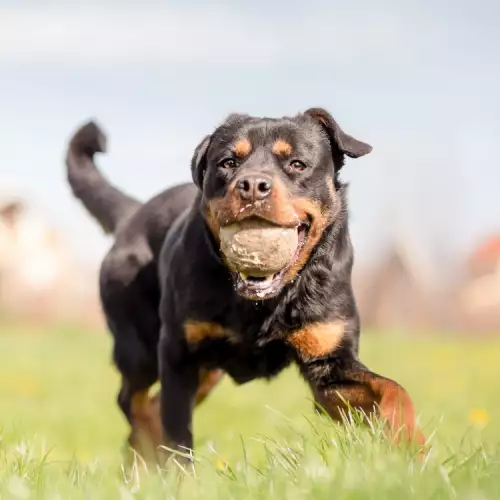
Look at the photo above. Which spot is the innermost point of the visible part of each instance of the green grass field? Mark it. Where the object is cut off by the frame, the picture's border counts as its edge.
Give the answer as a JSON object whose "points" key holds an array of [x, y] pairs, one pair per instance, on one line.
{"points": [[62, 436]]}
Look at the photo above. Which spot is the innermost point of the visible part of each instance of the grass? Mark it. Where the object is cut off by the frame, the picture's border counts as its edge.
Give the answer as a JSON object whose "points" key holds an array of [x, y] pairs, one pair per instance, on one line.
{"points": [[61, 434]]}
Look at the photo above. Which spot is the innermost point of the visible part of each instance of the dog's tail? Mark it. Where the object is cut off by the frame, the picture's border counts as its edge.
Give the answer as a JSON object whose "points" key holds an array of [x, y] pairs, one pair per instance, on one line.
{"points": [[110, 206]]}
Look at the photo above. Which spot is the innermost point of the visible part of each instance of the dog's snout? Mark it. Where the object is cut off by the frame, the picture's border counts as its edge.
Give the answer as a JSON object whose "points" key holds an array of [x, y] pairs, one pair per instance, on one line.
{"points": [[254, 187]]}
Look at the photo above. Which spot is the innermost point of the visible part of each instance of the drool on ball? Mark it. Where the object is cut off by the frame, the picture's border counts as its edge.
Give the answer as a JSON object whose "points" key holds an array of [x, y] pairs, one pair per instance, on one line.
{"points": [[258, 248]]}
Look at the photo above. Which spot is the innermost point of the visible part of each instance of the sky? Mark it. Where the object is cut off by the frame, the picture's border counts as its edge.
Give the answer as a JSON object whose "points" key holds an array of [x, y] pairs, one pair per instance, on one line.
{"points": [[419, 81]]}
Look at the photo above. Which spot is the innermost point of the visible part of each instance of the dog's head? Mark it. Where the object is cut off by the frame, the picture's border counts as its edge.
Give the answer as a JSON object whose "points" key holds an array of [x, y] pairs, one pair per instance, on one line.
{"points": [[283, 171]]}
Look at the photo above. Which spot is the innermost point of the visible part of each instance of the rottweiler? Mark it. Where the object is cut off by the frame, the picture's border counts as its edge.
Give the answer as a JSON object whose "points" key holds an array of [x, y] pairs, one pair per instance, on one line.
{"points": [[181, 315]]}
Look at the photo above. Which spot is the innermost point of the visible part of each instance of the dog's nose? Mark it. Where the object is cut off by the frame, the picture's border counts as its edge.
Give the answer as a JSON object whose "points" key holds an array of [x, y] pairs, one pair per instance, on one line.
{"points": [[254, 187]]}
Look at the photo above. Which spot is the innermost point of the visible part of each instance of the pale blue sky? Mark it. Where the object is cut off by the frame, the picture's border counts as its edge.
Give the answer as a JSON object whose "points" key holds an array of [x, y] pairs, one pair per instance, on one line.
{"points": [[418, 80]]}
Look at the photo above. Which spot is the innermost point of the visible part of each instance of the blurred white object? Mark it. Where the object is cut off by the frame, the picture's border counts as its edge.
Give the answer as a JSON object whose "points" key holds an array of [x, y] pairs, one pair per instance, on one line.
{"points": [[38, 275]]}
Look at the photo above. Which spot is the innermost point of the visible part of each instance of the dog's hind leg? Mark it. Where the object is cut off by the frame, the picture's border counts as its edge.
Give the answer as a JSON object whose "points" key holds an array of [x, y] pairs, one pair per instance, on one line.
{"points": [[134, 325], [143, 413]]}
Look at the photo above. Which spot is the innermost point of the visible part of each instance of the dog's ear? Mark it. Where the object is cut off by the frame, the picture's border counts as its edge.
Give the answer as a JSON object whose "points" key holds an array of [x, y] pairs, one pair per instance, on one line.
{"points": [[199, 161], [343, 142]]}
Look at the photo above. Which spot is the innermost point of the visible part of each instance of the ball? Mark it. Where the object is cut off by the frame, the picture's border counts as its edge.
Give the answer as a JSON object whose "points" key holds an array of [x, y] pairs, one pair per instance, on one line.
{"points": [[258, 248]]}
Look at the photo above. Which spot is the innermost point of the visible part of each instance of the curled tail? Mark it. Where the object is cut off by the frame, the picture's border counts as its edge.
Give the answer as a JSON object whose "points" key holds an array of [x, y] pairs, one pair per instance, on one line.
{"points": [[110, 206]]}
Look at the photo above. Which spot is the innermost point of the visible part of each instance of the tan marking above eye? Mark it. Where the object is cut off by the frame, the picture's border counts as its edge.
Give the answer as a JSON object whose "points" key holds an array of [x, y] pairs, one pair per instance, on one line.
{"points": [[242, 148], [282, 148], [317, 339]]}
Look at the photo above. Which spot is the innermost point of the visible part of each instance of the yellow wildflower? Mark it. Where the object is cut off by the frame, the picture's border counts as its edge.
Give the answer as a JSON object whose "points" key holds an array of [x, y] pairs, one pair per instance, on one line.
{"points": [[479, 417], [220, 464]]}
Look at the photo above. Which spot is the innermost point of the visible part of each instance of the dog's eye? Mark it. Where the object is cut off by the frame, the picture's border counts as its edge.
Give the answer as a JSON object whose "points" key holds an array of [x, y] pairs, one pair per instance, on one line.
{"points": [[228, 163], [298, 165]]}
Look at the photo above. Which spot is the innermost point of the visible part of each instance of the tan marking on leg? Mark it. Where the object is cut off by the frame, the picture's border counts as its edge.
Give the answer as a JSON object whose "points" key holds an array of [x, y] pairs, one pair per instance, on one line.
{"points": [[147, 431], [208, 380], [373, 394], [317, 339]]}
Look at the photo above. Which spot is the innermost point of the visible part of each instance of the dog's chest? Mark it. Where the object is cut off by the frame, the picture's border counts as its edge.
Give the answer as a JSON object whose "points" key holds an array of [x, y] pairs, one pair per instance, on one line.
{"points": [[243, 357]]}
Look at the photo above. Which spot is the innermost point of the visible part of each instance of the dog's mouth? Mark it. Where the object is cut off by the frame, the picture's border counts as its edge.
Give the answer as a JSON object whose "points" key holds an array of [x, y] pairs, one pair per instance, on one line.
{"points": [[262, 287]]}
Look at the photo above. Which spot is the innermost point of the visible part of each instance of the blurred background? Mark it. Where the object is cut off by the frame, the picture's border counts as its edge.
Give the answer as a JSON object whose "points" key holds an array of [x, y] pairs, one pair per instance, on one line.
{"points": [[417, 80]]}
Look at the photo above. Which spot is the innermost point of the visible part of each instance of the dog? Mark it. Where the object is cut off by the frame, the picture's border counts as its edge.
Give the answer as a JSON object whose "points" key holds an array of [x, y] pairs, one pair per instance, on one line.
{"points": [[181, 314]]}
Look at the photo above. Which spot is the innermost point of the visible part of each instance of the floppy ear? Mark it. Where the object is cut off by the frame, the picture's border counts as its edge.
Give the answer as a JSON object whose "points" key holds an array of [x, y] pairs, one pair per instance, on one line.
{"points": [[339, 139], [199, 161]]}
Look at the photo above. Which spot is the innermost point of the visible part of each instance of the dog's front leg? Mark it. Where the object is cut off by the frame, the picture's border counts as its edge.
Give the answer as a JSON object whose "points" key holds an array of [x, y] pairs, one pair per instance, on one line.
{"points": [[179, 383], [327, 356], [342, 381]]}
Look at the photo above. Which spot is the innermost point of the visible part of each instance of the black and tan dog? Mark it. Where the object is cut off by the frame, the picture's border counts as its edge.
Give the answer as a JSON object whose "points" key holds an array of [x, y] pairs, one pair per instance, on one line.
{"points": [[178, 313]]}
